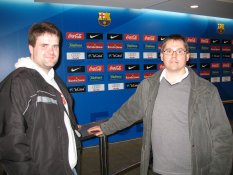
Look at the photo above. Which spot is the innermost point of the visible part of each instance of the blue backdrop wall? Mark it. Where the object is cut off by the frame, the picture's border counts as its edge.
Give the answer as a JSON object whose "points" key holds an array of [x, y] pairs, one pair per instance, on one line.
{"points": [[106, 52]]}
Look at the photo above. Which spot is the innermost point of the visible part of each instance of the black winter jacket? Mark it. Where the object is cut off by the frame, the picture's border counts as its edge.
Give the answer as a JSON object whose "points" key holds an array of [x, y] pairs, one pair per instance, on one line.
{"points": [[33, 135]]}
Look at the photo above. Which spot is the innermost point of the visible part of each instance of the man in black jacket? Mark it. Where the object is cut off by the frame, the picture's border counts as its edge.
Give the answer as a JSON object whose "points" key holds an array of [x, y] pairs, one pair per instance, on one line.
{"points": [[38, 128]]}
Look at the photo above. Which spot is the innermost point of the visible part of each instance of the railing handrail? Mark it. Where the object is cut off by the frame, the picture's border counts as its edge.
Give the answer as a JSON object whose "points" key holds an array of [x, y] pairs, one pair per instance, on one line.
{"points": [[227, 101]]}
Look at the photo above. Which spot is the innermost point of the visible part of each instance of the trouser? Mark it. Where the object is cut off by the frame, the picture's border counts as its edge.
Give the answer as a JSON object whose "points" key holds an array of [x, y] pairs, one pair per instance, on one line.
{"points": [[74, 172]]}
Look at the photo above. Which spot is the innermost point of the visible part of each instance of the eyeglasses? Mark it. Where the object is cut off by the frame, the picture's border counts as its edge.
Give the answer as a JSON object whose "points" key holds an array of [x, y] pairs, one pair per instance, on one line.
{"points": [[178, 51]]}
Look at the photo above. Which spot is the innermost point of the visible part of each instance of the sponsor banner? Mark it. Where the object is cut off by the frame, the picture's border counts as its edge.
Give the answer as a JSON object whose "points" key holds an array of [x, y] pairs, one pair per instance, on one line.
{"points": [[131, 85], [215, 72], [75, 69], [131, 37], [204, 72], [161, 66], [132, 76], [76, 79], [115, 77], [95, 87], [205, 40], [226, 48], [192, 48], [131, 46], [95, 55], [226, 41], [205, 65], [205, 48], [161, 38], [74, 35], [75, 45], [232, 55], [226, 78], [226, 65], [149, 38], [95, 68], [150, 55], [115, 55], [131, 67], [75, 55], [96, 36], [76, 89], [191, 39], [215, 41], [215, 65], [94, 45], [115, 86], [114, 46], [150, 66], [215, 48], [192, 65], [148, 74], [132, 55], [113, 36], [149, 46], [193, 55], [115, 67], [226, 72], [226, 55], [204, 55], [215, 79], [215, 55], [159, 46], [95, 78]]}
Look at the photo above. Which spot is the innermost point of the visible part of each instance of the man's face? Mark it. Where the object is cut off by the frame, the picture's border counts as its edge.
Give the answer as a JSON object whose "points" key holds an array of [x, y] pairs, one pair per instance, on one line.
{"points": [[46, 51], [174, 62]]}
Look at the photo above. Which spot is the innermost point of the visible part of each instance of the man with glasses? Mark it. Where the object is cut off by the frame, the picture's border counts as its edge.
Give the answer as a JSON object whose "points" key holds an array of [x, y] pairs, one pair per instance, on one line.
{"points": [[186, 129]]}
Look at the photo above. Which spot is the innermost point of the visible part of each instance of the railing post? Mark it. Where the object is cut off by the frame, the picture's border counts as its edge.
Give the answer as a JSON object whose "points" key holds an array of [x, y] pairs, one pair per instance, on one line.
{"points": [[103, 155]]}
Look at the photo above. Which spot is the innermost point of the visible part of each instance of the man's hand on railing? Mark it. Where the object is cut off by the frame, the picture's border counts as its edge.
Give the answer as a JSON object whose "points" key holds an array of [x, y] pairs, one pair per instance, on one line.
{"points": [[95, 130]]}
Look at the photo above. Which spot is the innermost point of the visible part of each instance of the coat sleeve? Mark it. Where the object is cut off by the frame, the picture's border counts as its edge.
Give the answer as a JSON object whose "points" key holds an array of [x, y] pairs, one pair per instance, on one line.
{"points": [[14, 144], [129, 113], [222, 138]]}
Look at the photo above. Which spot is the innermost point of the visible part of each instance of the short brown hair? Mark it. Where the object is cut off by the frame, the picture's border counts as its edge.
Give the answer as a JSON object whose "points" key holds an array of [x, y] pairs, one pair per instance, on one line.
{"points": [[175, 37], [41, 28]]}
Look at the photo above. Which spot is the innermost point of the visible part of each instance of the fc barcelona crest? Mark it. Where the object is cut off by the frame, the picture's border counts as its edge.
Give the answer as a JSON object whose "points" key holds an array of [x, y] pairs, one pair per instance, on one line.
{"points": [[221, 28], [104, 19]]}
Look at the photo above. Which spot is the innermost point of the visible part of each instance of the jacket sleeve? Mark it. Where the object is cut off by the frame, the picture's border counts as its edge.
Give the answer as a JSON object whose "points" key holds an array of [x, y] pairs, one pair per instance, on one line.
{"points": [[14, 144], [222, 139], [129, 113]]}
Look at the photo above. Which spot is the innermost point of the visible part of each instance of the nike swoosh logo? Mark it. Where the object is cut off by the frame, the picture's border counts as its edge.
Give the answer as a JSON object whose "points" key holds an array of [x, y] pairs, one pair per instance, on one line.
{"points": [[148, 67], [74, 69], [225, 42], [162, 38], [214, 41], [112, 37], [203, 66], [131, 67], [191, 65], [93, 36]]}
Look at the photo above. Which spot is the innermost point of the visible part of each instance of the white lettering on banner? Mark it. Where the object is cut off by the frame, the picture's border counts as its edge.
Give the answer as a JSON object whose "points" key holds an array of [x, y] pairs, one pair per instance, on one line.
{"points": [[95, 87], [74, 35], [115, 86], [75, 55]]}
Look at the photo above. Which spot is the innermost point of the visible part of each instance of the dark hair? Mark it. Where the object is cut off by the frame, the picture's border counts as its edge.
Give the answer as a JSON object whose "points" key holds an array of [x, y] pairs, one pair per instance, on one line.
{"points": [[175, 37], [41, 28]]}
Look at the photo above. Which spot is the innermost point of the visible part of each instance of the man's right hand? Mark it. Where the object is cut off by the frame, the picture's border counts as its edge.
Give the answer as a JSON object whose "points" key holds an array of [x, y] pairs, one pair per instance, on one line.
{"points": [[95, 130]]}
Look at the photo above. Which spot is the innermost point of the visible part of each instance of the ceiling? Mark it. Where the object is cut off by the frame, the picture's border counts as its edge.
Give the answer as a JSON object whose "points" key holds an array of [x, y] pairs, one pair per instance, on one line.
{"points": [[215, 8]]}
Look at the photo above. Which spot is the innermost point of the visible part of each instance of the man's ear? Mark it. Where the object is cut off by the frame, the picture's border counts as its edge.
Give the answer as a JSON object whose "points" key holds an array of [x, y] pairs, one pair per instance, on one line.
{"points": [[187, 56], [30, 49], [161, 56]]}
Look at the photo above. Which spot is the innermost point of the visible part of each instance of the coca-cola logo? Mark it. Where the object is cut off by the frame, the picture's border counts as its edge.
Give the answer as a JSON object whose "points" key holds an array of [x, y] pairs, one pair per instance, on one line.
{"points": [[95, 68], [115, 67], [149, 38], [204, 40], [75, 35], [131, 37], [191, 39]]}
